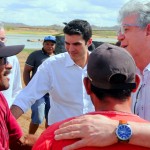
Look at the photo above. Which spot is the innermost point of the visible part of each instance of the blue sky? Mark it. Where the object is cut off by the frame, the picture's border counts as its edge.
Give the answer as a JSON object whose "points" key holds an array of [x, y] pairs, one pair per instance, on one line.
{"points": [[49, 12]]}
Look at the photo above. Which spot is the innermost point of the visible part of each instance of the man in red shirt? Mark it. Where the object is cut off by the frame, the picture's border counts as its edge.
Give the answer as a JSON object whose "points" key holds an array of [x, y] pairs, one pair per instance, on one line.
{"points": [[111, 79], [10, 132]]}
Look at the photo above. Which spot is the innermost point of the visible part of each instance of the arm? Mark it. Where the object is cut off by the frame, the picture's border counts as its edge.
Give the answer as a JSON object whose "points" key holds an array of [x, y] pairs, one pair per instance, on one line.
{"points": [[26, 73], [92, 129], [141, 132], [31, 93], [26, 142], [16, 111]]}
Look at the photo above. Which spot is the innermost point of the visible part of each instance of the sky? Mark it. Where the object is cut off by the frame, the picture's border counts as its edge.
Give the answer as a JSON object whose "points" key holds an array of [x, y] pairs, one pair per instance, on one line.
{"points": [[48, 12]]}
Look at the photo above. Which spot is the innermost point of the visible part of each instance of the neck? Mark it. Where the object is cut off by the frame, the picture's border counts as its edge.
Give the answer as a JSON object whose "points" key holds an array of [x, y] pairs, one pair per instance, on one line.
{"points": [[51, 54], [82, 61], [111, 104], [142, 60]]}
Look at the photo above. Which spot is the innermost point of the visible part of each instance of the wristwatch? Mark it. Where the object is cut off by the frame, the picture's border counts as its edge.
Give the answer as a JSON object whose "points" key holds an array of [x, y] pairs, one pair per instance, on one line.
{"points": [[123, 131]]}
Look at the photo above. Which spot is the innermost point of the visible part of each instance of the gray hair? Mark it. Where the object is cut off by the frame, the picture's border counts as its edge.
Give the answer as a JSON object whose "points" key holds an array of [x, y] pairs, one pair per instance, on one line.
{"points": [[136, 7]]}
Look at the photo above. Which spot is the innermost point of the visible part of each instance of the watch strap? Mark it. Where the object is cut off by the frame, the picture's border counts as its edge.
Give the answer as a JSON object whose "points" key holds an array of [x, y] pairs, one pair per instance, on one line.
{"points": [[123, 122]]}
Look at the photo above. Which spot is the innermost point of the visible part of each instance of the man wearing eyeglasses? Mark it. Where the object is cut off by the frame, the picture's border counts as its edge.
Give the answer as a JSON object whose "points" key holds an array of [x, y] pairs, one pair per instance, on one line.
{"points": [[135, 37], [15, 75]]}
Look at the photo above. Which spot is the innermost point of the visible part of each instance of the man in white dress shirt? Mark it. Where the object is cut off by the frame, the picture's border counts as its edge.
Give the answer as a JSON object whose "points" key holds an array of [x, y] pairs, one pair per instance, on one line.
{"points": [[15, 75], [62, 76]]}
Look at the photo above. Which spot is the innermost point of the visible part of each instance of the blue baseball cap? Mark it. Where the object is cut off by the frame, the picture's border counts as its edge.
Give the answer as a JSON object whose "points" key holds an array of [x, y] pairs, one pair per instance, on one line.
{"points": [[50, 38]]}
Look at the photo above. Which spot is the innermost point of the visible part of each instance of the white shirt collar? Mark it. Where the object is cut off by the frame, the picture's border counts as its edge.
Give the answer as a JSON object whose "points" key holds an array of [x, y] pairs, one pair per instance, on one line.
{"points": [[69, 62]]}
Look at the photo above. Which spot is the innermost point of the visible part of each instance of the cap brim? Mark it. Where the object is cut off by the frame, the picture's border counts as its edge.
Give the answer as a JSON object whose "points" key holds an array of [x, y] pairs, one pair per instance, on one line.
{"points": [[50, 41], [7, 51]]}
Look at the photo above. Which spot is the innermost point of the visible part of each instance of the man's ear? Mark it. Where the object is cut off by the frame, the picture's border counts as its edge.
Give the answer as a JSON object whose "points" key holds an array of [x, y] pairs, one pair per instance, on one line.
{"points": [[87, 85], [89, 42], [148, 30], [137, 81]]}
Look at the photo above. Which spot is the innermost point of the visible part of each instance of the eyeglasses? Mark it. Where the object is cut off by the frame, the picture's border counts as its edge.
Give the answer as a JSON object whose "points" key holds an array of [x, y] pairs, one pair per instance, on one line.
{"points": [[122, 27], [3, 61]]}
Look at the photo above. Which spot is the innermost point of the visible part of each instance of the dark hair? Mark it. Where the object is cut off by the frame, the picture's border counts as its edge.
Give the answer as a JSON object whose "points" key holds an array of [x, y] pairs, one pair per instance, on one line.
{"points": [[121, 94], [78, 27]]}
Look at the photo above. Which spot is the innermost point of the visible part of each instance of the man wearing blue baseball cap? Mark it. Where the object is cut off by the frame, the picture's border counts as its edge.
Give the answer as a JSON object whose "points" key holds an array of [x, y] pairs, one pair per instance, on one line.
{"points": [[41, 107]]}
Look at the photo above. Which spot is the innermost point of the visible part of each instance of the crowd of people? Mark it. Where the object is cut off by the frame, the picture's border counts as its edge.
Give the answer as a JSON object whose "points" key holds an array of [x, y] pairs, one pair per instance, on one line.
{"points": [[90, 100]]}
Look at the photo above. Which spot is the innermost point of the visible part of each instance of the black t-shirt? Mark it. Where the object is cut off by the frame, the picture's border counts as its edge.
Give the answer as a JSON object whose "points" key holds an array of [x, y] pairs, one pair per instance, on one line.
{"points": [[35, 59]]}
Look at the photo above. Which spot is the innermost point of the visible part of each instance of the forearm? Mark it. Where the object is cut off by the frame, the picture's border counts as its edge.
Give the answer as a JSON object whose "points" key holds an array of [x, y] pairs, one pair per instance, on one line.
{"points": [[141, 134], [26, 77], [16, 111], [18, 145]]}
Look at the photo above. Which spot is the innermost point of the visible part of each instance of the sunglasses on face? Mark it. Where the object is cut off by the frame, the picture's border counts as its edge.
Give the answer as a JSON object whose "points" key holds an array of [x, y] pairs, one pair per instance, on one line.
{"points": [[3, 61]]}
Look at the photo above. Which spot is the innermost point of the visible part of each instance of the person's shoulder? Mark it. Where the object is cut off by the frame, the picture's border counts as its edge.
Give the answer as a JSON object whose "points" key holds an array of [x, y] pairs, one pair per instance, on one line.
{"points": [[13, 60], [12, 57], [36, 52], [58, 57]]}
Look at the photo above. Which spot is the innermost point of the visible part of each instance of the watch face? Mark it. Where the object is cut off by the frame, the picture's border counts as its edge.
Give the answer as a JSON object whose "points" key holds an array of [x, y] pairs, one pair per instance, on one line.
{"points": [[124, 132]]}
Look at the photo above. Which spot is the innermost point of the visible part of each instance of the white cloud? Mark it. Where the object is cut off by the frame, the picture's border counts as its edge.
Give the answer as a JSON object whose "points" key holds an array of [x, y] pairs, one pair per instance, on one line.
{"points": [[48, 12]]}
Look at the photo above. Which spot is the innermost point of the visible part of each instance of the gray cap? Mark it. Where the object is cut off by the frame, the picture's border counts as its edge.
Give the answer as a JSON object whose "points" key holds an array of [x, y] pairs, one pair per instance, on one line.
{"points": [[6, 51], [111, 67]]}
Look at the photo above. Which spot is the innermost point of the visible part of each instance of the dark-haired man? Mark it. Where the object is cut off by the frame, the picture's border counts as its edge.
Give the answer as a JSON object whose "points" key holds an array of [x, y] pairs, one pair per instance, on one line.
{"points": [[62, 76]]}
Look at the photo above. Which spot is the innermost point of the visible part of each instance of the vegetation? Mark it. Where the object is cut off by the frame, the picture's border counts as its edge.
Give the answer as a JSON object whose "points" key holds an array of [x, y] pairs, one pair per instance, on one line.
{"points": [[54, 31], [104, 33], [28, 51], [33, 30]]}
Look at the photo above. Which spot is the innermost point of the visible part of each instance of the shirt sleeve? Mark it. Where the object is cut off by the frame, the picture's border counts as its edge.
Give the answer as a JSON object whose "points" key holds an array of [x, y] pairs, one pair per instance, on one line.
{"points": [[13, 127], [39, 85], [30, 60]]}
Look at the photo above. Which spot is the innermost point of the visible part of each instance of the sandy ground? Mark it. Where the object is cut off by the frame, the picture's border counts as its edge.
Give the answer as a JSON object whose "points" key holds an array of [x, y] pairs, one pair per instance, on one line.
{"points": [[24, 120]]}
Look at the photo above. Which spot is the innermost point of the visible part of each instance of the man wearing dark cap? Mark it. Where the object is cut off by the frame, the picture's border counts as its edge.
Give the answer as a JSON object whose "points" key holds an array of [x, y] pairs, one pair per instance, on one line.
{"points": [[10, 132], [111, 79], [41, 107]]}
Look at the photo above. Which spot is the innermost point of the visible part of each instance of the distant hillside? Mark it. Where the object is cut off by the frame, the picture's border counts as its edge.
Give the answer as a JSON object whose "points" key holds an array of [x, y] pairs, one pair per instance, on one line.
{"points": [[53, 27]]}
